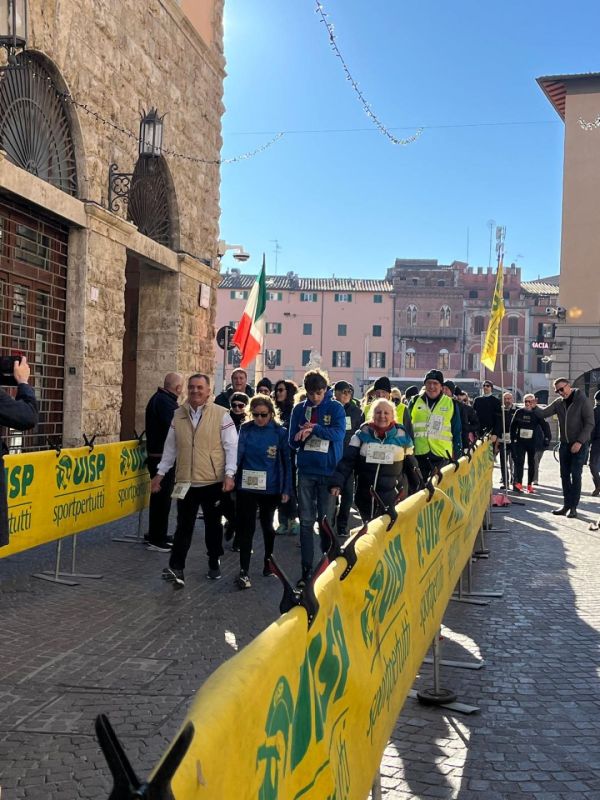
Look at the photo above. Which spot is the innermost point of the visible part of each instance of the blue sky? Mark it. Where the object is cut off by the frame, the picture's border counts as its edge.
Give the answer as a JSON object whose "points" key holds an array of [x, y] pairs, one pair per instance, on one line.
{"points": [[348, 202]]}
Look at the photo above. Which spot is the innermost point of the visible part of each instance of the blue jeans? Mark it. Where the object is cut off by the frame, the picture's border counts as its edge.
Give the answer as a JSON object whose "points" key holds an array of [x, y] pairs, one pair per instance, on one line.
{"points": [[314, 503], [571, 467]]}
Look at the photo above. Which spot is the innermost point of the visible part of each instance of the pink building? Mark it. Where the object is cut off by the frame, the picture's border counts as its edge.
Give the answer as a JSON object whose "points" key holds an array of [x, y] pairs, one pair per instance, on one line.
{"points": [[341, 324]]}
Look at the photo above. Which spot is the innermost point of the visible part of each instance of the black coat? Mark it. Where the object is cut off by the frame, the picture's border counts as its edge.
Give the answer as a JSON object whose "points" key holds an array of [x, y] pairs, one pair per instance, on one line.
{"points": [[20, 413], [487, 408], [224, 398], [159, 415]]}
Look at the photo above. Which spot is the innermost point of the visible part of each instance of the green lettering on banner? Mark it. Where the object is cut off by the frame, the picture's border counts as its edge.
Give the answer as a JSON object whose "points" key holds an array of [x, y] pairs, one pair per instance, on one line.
{"points": [[21, 521], [384, 588], [428, 530], [18, 479], [132, 459], [274, 752], [78, 470], [453, 553], [431, 594], [456, 510]]}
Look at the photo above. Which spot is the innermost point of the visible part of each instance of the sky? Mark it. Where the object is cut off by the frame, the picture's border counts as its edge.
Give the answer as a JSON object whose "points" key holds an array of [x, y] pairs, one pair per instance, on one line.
{"points": [[338, 197]]}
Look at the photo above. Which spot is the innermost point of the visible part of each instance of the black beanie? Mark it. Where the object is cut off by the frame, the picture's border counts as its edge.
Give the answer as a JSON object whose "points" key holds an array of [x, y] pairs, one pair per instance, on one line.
{"points": [[412, 391], [265, 382], [434, 375], [383, 383], [450, 385]]}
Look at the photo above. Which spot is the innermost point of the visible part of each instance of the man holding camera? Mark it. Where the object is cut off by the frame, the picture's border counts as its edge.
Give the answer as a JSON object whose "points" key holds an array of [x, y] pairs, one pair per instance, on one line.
{"points": [[21, 413]]}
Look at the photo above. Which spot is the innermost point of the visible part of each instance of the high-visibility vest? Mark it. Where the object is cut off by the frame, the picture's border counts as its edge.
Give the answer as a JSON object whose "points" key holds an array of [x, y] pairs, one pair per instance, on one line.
{"points": [[433, 427]]}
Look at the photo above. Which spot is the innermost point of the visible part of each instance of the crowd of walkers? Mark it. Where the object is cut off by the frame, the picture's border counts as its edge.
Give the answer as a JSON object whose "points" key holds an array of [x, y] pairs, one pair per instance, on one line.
{"points": [[304, 453]]}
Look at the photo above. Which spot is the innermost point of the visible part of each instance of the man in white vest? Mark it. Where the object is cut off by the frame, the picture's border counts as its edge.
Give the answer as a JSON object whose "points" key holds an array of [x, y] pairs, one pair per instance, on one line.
{"points": [[202, 441]]}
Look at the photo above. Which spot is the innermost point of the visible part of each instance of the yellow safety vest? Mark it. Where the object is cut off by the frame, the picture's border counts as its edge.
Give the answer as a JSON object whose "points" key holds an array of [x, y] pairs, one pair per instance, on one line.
{"points": [[433, 428]]}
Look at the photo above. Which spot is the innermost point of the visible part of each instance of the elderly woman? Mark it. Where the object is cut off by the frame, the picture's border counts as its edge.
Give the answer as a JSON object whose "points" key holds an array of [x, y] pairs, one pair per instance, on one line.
{"points": [[381, 454]]}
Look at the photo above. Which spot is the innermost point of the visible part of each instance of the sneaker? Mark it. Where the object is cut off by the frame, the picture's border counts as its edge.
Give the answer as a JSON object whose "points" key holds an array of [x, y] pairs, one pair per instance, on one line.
{"points": [[530, 489], [281, 529], [294, 529], [214, 572], [243, 581], [596, 492], [174, 576], [159, 548], [572, 513], [518, 487]]}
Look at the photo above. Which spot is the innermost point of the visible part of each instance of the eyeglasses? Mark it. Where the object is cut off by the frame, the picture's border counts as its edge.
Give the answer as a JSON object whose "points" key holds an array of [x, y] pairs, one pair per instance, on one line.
{"points": [[560, 389], [262, 414], [238, 405], [487, 386], [281, 389]]}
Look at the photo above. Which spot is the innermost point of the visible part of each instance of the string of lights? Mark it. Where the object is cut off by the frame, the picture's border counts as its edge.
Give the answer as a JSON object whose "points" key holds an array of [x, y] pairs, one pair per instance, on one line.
{"points": [[363, 100], [67, 97], [589, 126]]}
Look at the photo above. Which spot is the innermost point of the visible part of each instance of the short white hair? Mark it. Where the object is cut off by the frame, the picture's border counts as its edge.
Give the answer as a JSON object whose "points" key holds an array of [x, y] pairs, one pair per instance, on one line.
{"points": [[382, 401]]}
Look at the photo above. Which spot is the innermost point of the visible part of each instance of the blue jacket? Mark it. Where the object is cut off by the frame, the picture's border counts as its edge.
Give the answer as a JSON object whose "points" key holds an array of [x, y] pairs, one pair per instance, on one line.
{"points": [[331, 425], [265, 450]]}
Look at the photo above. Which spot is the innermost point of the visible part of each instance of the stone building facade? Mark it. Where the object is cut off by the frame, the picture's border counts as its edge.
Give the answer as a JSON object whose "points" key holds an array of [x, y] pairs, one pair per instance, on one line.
{"points": [[128, 293]]}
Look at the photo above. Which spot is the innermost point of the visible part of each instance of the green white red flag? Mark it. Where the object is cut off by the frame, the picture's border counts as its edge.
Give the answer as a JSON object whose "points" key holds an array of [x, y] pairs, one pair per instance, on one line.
{"points": [[250, 332]]}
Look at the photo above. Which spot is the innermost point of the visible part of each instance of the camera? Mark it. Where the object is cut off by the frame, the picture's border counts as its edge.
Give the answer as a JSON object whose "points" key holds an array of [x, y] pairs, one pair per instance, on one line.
{"points": [[7, 363], [557, 311]]}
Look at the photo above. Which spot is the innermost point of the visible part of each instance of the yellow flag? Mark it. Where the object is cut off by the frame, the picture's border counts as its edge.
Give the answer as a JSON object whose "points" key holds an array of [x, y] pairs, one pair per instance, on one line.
{"points": [[490, 346]]}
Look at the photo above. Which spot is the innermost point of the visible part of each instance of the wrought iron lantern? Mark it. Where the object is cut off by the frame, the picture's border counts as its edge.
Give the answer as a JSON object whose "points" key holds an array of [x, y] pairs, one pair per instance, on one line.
{"points": [[151, 133], [13, 27], [149, 147]]}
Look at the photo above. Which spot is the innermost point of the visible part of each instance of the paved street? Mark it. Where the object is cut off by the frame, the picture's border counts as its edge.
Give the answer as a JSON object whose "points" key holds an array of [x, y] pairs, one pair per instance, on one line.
{"points": [[131, 647]]}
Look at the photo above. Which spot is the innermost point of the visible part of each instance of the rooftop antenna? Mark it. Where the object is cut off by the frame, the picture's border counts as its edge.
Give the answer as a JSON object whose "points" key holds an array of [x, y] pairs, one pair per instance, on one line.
{"points": [[491, 223], [276, 249]]}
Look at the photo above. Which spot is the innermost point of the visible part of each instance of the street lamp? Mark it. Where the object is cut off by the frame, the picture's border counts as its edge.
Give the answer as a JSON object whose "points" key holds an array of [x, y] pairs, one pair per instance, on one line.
{"points": [[239, 253], [13, 27], [151, 133]]}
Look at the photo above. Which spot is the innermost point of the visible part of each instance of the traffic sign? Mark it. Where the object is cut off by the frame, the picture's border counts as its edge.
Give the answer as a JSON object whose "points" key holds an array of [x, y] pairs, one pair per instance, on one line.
{"points": [[227, 332]]}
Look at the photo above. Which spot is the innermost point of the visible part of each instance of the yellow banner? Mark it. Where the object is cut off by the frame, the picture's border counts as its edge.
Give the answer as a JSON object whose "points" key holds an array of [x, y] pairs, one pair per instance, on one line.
{"points": [[307, 712], [490, 346], [52, 495]]}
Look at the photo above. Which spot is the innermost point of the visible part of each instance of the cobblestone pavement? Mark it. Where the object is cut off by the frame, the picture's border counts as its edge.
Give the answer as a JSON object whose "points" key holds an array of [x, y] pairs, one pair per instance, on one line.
{"points": [[131, 647]]}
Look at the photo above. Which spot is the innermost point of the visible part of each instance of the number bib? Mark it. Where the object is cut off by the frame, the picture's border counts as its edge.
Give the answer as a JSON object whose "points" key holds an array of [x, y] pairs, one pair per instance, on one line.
{"points": [[525, 433], [348, 424], [379, 454], [506, 438], [316, 445], [180, 490], [435, 424], [254, 479]]}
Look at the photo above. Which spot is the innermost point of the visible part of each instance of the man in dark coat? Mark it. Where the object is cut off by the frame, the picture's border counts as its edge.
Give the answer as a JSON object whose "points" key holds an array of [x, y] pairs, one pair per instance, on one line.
{"points": [[21, 413], [159, 415], [239, 383], [488, 408]]}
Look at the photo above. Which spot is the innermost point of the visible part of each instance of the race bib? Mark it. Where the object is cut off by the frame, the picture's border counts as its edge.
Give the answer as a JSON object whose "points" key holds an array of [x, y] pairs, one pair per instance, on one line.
{"points": [[506, 438], [316, 445], [348, 424], [254, 479], [379, 454], [435, 424], [180, 490], [526, 433]]}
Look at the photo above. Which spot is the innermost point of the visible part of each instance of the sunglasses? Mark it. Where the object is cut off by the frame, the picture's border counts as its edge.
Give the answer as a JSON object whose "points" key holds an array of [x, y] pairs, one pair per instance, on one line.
{"points": [[281, 389], [487, 386], [262, 414], [238, 405]]}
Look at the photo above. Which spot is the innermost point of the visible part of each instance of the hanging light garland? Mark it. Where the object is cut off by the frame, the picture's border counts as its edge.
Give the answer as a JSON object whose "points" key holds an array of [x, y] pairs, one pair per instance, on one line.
{"points": [[67, 97], [589, 126], [363, 100]]}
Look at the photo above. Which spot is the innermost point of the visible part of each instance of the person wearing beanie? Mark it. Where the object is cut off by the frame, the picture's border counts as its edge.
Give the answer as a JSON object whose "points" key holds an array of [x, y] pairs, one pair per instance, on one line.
{"points": [[382, 388], [436, 424], [264, 386], [411, 392], [595, 447], [488, 408], [448, 388]]}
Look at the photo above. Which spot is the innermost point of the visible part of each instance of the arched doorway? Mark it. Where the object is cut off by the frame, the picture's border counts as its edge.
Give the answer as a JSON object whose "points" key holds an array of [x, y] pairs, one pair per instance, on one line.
{"points": [[588, 382]]}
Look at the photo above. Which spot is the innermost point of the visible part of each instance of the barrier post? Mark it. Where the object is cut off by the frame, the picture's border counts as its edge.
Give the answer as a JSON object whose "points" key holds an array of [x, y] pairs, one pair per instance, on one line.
{"points": [[138, 538], [54, 577], [437, 695], [376, 791]]}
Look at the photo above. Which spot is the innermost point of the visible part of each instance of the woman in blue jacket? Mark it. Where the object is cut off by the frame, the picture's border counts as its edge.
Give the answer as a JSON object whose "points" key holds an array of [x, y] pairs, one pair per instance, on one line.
{"points": [[263, 480]]}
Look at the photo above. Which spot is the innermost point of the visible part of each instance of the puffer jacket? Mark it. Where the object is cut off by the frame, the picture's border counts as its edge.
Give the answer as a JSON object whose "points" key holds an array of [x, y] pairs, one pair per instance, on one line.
{"points": [[330, 425]]}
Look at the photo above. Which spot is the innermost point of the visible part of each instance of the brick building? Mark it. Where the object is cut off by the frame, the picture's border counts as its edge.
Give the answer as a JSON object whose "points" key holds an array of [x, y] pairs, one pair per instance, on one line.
{"points": [[424, 315]]}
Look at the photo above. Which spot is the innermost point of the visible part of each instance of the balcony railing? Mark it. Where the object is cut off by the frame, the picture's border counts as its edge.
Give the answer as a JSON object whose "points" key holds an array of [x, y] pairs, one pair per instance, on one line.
{"points": [[422, 332]]}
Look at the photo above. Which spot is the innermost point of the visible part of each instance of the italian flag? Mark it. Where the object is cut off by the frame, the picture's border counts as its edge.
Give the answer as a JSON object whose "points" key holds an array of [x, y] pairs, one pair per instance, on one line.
{"points": [[250, 332]]}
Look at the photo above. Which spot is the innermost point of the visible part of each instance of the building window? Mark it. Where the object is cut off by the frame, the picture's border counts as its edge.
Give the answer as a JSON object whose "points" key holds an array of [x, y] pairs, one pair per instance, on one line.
{"points": [[411, 316], [341, 358], [238, 294], [343, 297], [377, 360], [308, 297], [506, 294], [473, 362], [411, 359], [441, 283], [378, 298], [473, 294], [443, 361], [376, 330], [342, 330], [478, 324], [415, 281], [307, 329], [305, 357], [272, 358], [513, 326], [445, 317], [277, 296], [273, 327]]}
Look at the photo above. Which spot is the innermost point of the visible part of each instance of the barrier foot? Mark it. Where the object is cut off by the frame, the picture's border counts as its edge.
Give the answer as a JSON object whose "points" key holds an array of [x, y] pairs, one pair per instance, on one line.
{"points": [[470, 592], [126, 784], [54, 577], [445, 662], [137, 539], [462, 597], [462, 708], [376, 791], [437, 695]]}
